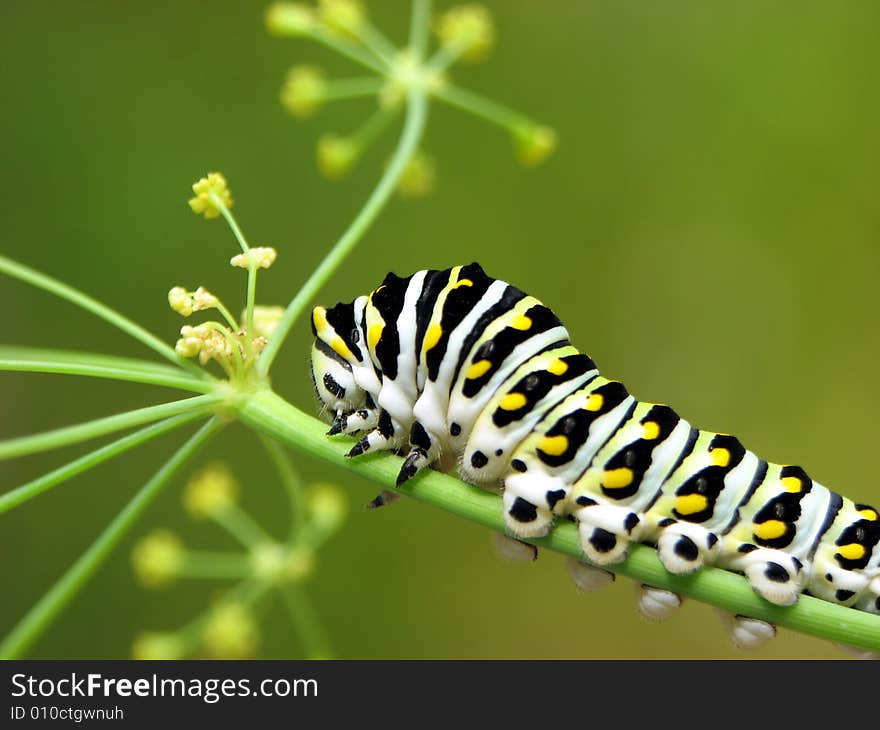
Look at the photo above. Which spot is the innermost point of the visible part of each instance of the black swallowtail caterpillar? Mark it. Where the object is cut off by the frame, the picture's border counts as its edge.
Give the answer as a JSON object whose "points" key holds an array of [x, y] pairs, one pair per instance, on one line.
{"points": [[456, 369]]}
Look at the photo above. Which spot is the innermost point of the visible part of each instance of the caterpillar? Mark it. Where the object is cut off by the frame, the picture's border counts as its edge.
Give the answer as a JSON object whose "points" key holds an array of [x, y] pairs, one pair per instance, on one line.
{"points": [[460, 371]]}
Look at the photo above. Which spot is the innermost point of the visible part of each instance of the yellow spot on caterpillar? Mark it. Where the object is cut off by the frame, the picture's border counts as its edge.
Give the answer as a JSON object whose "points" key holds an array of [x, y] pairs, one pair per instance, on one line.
{"points": [[478, 369], [691, 504], [651, 430], [554, 445], [432, 336], [341, 349], [595, 401], [792, 484], [853, 551], [770, 530], [374, 334], [617, 478], [513, 402], [720, 457], [869, 514], [463, 282], [319, 319], [521, 322], [558, 367]]}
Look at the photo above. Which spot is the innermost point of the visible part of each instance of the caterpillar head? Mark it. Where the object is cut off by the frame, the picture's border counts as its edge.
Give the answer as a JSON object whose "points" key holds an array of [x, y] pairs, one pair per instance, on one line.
{"points": [[333, 356]]}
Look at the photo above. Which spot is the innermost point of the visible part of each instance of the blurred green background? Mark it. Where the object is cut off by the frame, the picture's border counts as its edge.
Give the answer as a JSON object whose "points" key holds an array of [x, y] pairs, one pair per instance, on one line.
{"points": [[707, 230]]}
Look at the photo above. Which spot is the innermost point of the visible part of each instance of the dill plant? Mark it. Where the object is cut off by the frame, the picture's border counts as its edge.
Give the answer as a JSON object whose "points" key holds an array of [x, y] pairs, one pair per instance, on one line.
{"points": [[224, 365]]}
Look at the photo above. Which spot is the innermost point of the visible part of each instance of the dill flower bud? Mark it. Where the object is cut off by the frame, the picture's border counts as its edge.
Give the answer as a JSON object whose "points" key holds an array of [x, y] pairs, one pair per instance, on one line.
{"points": [[180, 301], [468, 29], [262, 257], [534, 143], [157, 558], [210, 491], [289, 19], [230, 632], [266, 320], [419, 177], [336, 155], [327, 506], [344, 17], [155, 645], [304, 91], [203, 299], [203, 203]]}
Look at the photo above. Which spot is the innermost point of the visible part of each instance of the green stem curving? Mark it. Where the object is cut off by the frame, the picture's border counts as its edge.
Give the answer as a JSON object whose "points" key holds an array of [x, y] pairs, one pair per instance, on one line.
{"points": [[270, 414], [25, 492], [46, 610], [59, 289], [69, 435], [291, 481]]}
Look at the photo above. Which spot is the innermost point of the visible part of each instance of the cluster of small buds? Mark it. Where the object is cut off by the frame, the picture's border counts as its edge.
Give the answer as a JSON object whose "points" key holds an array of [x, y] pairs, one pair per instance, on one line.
{"points": [[262, 257], [304, 91], [208, 190], [211, 491], [229, 629], [419, 177], [344, 17], [534, 143], [186, 302], [337, 155], [203, 341], [266, 320], [467, 30], [290, 19], [157, 558]]}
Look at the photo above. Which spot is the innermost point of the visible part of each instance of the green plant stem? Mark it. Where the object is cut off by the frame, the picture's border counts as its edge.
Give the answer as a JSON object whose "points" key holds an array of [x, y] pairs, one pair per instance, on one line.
{"points": [[48, 440], [291, 481], [59, 289], [339, 89], [230, 220], [413, 128], [25, 492], [213, 566], [347, 49], [43, 613], [420, 23], [370, 130], [270, 414], [241, 526], [174, 378], [375, 41], [482, 107], [306, 623]]}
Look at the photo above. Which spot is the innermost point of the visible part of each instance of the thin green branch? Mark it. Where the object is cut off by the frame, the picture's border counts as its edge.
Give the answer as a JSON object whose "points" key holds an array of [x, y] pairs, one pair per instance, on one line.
{"points": [[59, 289], [241, 526], [16, 352], [25, 492], [268, 413], [68, 435], [43, 613], [307, 624], [376, 42], [419, 26], [416, 116], [291, 481], [173, 378], [230, 221], [213, 565], [348, 49], [338, 89], [482, 107]]}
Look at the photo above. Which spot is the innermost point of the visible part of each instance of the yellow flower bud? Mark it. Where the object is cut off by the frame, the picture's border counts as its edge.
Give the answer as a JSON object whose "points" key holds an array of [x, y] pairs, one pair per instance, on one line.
{"points": [[203, 299], [336, 155], [157, 558], [230, 632], [468, 29], [154, 645], [261, 256], [203, 203], [419, 177], [304, 91], [533, 143], [300, 564], [180, 301], [327, 506], [289, 19], [210, 491], [344, 17]]}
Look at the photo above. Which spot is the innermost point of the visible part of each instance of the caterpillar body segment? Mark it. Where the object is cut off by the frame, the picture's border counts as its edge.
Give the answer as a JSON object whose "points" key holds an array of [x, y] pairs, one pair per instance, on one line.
{"points": [[459, 371]]}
